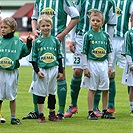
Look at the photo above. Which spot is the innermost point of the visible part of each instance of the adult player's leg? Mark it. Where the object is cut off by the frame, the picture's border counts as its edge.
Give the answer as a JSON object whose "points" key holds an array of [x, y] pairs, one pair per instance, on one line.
{"points": [[76, 78], [62, 87]]}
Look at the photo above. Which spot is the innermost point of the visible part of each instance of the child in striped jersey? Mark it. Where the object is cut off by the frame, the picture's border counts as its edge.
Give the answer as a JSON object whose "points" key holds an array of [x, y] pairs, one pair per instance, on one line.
{"points": [[127, 51]]}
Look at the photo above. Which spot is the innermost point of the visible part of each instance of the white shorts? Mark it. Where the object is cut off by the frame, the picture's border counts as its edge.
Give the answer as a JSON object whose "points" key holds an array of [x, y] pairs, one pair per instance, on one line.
{"points": [[99, 79], [77, 58], [117, 43], [8, 84], [127, 77], [47, 85]]}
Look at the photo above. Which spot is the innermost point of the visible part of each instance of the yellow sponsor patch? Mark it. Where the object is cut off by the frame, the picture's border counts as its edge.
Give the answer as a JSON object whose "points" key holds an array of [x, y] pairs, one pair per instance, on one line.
{"points": [[48, 11], [6, 62], [99, 52], [118, 12], [47, 58]]}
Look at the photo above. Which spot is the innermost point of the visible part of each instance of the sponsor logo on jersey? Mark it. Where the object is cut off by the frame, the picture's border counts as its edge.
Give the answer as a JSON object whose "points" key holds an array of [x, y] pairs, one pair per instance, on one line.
{"points": [[6, 62], [99, 52], [47, 58], [48, 11], [118, 12]]}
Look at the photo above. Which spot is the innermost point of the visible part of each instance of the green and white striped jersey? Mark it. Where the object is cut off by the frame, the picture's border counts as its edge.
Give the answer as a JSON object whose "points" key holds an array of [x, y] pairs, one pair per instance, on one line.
{"points": [[97, 45], [123, 11], [107, 7], [128, 43], [58, 10]]}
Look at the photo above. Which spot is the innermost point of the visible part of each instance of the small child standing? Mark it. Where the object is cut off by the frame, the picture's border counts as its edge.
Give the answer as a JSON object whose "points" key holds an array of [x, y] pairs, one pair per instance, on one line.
{"points": [[127, 51], [45, 58], [97, 63], [11, 50]]}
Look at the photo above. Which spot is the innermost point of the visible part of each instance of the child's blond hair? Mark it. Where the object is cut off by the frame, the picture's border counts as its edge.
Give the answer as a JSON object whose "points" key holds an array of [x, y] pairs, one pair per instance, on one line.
{"points": [[11, 22], [46, 18], [95, 12]]}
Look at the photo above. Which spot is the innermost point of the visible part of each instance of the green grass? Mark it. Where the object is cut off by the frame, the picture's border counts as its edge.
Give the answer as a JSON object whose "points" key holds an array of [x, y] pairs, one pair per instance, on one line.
{"points": [[78, 123]]}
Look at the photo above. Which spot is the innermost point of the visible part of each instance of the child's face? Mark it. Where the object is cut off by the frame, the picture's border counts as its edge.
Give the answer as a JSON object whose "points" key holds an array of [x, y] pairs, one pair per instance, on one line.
{"points": [[96, 22], [5, 29], [45, 28]]}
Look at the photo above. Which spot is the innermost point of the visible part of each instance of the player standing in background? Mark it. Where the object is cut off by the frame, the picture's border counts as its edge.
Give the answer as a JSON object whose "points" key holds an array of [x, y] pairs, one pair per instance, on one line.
{"points": [[127, 51], [107, 7], [58, 10], [123, 10]]}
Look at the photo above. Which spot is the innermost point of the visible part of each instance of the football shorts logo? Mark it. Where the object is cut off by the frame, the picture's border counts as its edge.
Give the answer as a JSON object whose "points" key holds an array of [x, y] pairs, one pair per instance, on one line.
{"points": [[48, 11], [47, 58], [99, 52], [118, 12], [6, 62]]}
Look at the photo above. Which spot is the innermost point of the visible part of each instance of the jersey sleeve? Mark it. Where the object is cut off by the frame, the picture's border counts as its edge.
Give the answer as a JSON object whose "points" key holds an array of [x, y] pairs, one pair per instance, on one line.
{"points": [[59, 51], [25, 50], [85, 47], [131, 7], [33, 54], [35, 11], [112, 14], [127, 47], [109, 46], [70, 9]]}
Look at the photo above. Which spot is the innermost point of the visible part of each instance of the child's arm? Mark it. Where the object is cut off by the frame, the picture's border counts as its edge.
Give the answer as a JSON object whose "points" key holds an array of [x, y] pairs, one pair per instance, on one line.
{"points": [[110, 61], [60, 74], [29, 41], [129, 61], [86, 70], [36, 69]]}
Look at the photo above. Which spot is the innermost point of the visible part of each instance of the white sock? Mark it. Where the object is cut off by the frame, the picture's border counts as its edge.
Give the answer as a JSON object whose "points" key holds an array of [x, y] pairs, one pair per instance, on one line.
{"points": [[131, 106]]}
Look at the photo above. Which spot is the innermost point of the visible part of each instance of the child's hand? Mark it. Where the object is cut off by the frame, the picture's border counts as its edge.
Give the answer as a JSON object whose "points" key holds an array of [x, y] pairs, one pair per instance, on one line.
{"points": [[30, 37], [87, 73], [72, 47], [40, 74], [60, 76], [131, 68], [109, 71]]}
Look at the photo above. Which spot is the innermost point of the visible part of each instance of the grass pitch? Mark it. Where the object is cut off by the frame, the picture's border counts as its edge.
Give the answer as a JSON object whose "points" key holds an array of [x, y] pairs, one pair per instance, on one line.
{"points": [[79, 122]]}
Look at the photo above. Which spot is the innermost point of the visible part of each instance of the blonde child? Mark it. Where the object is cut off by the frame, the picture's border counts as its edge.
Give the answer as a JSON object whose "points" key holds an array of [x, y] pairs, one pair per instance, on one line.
{"points": [[46, 60]]}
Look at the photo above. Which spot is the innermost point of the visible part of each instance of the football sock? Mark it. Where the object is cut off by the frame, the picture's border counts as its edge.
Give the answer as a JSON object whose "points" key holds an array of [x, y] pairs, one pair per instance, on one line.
{"points": [[62, 92], [97, 99], [112, 92], [128, 89], [131, 106], [35, 103], [75, 88], [13, 117]]}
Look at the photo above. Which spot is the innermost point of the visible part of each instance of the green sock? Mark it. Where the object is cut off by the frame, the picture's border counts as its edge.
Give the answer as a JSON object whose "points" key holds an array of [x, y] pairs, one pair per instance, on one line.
{"points": [[62, 92], [35, 103], [112, 92], [97, 99], [75, 88], [128, 89]]}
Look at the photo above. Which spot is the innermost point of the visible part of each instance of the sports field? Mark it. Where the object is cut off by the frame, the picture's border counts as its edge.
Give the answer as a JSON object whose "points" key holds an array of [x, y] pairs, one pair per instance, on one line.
{"points": [[79, 122]]}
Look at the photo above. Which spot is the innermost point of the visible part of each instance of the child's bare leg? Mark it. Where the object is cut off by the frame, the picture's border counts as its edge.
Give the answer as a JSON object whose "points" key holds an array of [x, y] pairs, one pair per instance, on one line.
{"points": [[104, 99], [91, 94]]}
